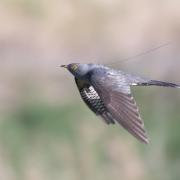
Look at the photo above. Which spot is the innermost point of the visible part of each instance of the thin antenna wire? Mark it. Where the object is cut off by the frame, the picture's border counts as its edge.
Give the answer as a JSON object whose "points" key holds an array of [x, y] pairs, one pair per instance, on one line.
{"points": [[141, 54]]}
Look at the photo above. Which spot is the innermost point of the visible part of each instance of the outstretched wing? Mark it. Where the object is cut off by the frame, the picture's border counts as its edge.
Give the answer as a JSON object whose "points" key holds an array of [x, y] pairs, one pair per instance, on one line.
{"points": [[115, 93], [93, 101]]}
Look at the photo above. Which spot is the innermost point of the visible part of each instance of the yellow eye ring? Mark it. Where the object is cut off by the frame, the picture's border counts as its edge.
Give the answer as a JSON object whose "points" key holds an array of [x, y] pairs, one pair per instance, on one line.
{"points": [[74, 67]]}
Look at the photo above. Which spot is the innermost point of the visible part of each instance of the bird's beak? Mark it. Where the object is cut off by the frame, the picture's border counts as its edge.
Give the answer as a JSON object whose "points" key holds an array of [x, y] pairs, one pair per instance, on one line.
{"points": [[64, 66]]}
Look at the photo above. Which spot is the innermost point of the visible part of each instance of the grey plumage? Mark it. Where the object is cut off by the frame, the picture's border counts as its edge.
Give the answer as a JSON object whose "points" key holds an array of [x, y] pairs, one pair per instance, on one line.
{"points": [[107, 93]]}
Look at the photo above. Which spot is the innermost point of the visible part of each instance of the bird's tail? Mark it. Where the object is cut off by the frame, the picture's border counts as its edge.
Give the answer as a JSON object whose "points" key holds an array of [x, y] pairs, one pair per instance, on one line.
{"points": [[159, 83]]}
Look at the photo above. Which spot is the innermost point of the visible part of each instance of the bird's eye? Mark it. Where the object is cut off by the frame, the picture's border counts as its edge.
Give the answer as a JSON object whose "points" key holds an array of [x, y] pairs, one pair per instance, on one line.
{"points": [[74, 67]]}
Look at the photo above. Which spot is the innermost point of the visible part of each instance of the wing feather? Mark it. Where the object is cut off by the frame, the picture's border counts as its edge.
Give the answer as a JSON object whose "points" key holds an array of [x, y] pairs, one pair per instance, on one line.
{"points": [[116, 96], [93, 101]]}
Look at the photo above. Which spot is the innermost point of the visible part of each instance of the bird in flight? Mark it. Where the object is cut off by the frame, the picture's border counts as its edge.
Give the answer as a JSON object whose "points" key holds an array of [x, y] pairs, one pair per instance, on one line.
{"points": [[107, 93]]}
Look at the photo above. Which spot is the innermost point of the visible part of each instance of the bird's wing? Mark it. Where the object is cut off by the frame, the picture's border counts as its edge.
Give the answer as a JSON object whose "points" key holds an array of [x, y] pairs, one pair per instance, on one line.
{"points": [[116, 96], [93, 101]]}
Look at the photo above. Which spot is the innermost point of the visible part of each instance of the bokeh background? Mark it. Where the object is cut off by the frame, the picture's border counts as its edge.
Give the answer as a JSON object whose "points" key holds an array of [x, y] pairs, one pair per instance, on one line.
{"points": [[46, 131]]}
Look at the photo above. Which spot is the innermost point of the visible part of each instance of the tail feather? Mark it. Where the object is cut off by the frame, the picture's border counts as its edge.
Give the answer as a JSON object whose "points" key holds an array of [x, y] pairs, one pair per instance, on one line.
{"points": [[159, 83]]}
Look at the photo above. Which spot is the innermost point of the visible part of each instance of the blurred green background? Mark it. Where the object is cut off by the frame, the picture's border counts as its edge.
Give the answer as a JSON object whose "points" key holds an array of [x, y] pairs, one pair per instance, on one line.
{"points": [[46, 131]]}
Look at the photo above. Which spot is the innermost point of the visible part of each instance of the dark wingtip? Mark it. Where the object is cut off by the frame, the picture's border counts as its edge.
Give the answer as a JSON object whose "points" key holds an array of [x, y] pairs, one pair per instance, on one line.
{"points": [[146, 141]]}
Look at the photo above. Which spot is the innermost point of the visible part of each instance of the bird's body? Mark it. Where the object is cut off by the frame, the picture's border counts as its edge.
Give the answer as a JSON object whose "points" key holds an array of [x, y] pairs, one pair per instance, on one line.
{"points": [[107, 93]]}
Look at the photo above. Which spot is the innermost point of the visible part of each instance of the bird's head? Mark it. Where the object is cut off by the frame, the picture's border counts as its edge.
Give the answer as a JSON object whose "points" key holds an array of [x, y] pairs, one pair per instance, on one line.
{"points": [[78, 70]]}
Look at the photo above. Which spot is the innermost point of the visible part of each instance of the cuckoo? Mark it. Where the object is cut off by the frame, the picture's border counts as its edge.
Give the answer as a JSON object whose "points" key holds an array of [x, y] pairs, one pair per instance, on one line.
{"points": [[107, 93]]}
